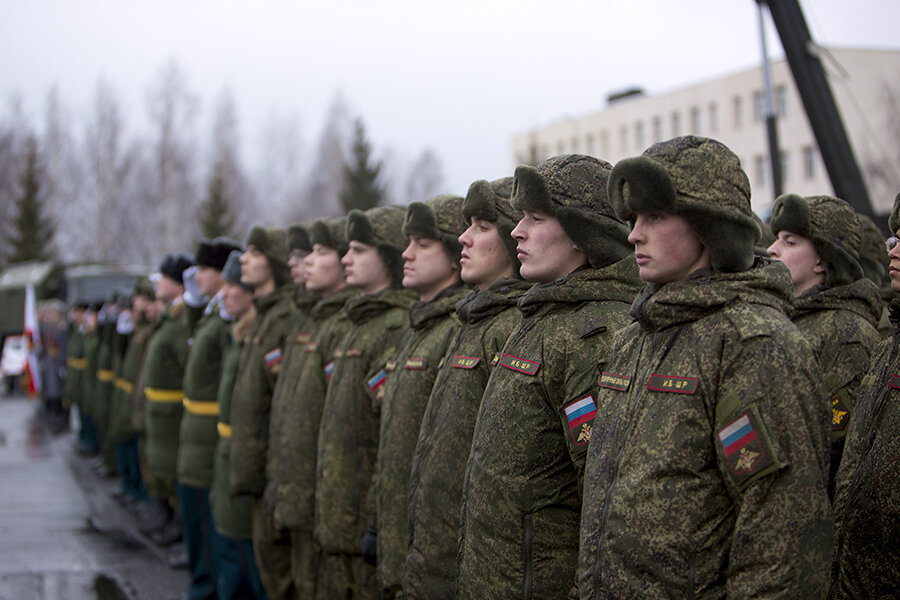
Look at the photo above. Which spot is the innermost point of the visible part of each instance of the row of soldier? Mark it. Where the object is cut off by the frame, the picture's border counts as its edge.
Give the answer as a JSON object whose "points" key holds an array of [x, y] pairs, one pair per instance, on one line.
{"points": [[580, 381]]}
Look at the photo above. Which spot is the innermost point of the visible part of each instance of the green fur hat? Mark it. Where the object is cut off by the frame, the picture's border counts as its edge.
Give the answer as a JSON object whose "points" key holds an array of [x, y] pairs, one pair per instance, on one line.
{"points": [[699, 179], [381, 227], [144, 287], [894, 217], [298, 238], [573, 188], [489, 201], [438, 218], [832, 227], [873, 256], [331, 233], [273, 243]]}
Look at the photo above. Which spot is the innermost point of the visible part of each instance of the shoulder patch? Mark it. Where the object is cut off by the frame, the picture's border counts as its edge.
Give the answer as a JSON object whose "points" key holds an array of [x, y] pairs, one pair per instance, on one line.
{"points": [[329, 370], [464, 362], [514, 363], [580, 415], [744, 450], [377, 380], [673, 383], [496, 360], [613, 381], [273, 360], [416, 364], [840, 415]]}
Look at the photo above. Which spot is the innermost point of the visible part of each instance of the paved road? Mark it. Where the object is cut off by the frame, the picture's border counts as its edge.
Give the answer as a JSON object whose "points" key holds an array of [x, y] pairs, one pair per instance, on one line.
{"points": [[61, 536]]}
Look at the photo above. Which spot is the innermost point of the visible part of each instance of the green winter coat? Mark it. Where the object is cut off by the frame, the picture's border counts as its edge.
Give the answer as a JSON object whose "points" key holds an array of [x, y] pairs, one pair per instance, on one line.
{"points": [[231, 514], [89, 377], [202, 373], [296, 476], [409, 379], [348, 434], [251, 402], [106, 377], [121, 428], [73, 392], [162, 377], [709, 455], [841, 325], [522, 492], [445, 437], [867, 495]]}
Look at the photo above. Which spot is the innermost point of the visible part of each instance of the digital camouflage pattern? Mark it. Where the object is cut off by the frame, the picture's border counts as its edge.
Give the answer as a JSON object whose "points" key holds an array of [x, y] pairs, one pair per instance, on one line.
{"points": [[409, 377], [522, 493], [708, 460], [840, 323], [445, 437], [198, 436], [348, 434], [867, 496], [121, 427], [231, 514], [163, 374]]}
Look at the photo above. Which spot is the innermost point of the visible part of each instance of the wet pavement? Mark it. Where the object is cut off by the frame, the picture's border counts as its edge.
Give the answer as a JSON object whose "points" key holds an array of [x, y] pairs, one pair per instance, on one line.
{"points": [[61, 534]]}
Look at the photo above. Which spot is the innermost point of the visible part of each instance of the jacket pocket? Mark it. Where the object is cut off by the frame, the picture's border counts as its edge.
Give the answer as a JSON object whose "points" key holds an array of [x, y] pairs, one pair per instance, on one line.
{"points": [[527, 556]]}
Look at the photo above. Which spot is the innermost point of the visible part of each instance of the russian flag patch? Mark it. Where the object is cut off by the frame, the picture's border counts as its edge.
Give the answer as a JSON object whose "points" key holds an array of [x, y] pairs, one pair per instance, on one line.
{"points": [[745, 452], [580, 415]]}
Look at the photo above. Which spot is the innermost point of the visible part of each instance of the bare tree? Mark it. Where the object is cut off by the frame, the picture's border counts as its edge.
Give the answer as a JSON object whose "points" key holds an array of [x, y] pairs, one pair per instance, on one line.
{"points": [[425, 177], [14, 132], [326, 178], [880, 154]]}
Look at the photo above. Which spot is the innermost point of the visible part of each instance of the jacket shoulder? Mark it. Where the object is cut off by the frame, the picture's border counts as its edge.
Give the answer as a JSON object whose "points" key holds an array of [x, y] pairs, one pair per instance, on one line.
{"points": [[755, 320]]}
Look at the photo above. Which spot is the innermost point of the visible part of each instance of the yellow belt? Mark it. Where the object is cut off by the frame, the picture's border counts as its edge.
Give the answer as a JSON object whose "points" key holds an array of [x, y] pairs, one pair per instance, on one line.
{"points": [[224, 430], [124, 385], [201, 407], [160, 395], [76, 363], [105, 374]]}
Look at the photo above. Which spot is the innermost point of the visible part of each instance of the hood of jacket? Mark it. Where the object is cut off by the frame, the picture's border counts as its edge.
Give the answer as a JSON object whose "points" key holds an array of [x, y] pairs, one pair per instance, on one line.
{"points": [[482, 304], [423, 313], [861, 297], [363, 307]]}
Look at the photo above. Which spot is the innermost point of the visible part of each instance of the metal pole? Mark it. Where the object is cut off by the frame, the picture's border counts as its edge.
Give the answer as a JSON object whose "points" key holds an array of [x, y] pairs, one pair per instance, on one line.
{"points": [[771, 116]]}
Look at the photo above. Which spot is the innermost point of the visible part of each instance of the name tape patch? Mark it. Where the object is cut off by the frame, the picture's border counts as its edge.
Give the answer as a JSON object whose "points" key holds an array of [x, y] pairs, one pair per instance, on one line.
{"points": [[522, 365], [614, 382], [301, 338], [673, 383], [464, 362], [416, 364]]}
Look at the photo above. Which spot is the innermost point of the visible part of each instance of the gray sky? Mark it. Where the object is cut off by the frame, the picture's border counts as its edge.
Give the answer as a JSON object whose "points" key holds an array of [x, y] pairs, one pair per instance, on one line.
{"points": [[460, 77]]}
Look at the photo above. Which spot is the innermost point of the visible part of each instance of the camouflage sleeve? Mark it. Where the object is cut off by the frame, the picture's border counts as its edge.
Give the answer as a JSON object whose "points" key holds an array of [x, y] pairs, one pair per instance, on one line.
{"points": [[770, 435]]}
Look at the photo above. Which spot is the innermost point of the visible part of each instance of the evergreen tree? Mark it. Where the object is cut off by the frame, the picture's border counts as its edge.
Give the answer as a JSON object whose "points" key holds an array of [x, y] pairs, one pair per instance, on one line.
{"points": [[362, 189], [216, 214], [32, 234]]}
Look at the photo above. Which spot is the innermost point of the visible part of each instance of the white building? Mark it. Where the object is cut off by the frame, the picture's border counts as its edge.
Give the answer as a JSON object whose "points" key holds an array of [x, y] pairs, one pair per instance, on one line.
{"points": [[866, 86]]}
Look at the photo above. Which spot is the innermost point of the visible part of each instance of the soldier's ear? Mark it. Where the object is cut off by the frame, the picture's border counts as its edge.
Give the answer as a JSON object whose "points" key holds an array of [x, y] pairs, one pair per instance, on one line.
{"points": [[818, 267]]}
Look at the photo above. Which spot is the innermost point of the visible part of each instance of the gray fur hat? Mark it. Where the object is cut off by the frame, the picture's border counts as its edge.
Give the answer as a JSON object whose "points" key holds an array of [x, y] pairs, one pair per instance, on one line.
{"points": [[273, 243], [490, 201], [438, 218], [381, 227]]}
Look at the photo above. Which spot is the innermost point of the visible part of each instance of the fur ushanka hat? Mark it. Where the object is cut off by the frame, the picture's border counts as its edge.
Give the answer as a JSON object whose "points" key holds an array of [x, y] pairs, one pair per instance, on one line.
{"points": [[273, 243], [381, 227], [438, 218], [490, 201]]}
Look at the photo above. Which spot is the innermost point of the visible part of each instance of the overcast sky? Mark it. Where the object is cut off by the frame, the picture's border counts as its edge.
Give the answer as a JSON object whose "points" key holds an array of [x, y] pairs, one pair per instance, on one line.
{"points": [[460, 77]]}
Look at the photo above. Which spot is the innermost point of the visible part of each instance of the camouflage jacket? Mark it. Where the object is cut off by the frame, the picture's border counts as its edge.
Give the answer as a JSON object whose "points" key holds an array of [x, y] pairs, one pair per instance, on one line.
{"points": [[709, 456], [445, 437], [296, 476], [162, 378], [89, 377], [75, 365], [251, 402], [840, 323], [231, 514], [522, 493], [121, 422], [202, 373], [408, 380], [867, 497], [105, 379], [348, 433]]}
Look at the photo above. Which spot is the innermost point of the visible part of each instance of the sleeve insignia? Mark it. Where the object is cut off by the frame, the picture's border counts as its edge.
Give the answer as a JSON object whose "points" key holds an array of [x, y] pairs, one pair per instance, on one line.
{"points": [[614, 382], [580, 415], [390, 366], [273, 360], [301, 338], [329, 370], [416, 364], [529, 367], [894, 381], [673, 383], [496, 360], [376, 381], [840, 414], [744, 451], [312, 346], [464, 362]]}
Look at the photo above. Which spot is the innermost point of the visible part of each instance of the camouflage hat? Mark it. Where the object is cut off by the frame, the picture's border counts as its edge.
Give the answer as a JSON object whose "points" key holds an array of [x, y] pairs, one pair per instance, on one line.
{"points": [[873, 256], [381, 227], [573, 188], [699, 179], [214, 253], [832, 227], [298, 237], [331, 233], [174, 265], [894, 217], [144, 287], [231, 273], [489, 201], [273, 243], [438, 218]]}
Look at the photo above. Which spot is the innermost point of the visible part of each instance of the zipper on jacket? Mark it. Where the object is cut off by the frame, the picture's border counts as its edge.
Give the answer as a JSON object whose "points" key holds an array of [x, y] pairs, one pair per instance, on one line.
{"points": [[527, 550]]}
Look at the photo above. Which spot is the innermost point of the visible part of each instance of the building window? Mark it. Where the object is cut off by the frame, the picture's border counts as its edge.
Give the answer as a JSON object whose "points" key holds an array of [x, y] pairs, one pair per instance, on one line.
{"points": [[809, 162], [785, 164], [713, 117], [623, 139], [676, 124], [738, 112], [560, 147], [604, 143], [545, 152], [761, 168], [759, 106], [657, 129], [781, 101], [574, 149], [695, 120], [639, 135]]}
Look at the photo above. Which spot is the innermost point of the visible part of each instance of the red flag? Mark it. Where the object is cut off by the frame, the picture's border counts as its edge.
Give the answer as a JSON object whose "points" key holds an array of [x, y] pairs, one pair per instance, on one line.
{"points": [[33, 339]]}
